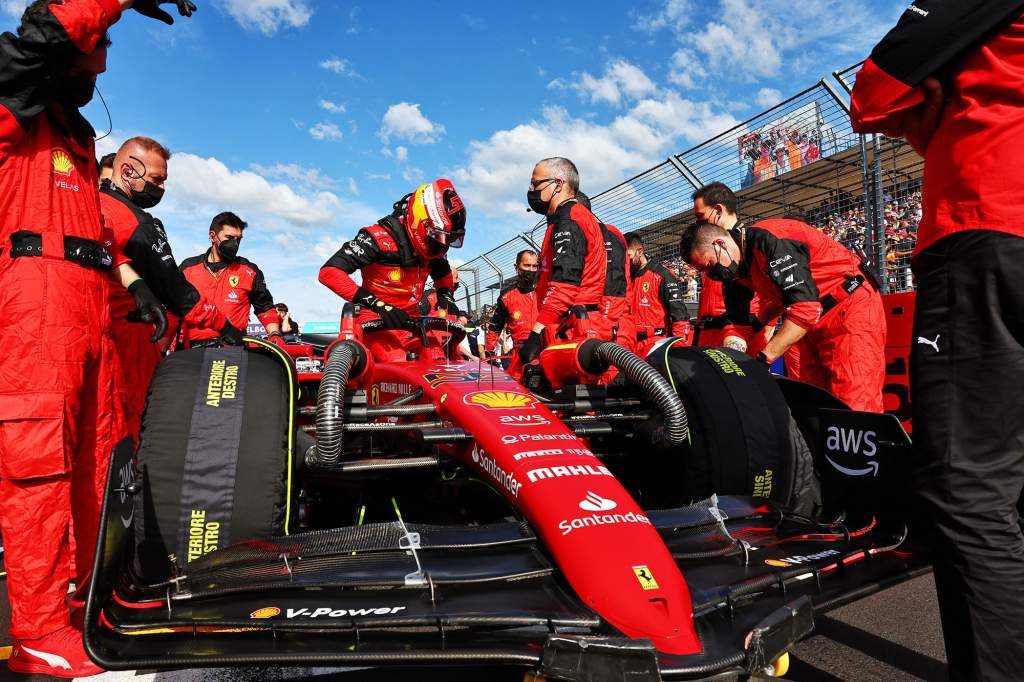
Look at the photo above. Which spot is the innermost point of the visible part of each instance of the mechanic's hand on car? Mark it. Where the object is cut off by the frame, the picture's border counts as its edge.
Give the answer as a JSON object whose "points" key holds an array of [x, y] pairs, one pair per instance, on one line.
{"points": [[393, 318], [149, 308], [531, 348], [151, 9], [446, 302], [231, 335]]}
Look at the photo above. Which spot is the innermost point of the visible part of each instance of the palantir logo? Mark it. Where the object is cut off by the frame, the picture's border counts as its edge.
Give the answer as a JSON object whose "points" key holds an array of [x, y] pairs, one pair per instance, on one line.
{"points": [[595, 503]]}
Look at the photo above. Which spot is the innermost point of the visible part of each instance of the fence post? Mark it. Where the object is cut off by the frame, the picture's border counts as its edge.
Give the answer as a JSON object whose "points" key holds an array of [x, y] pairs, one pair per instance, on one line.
{"points": [[686, 172], [476, 287], [501, 277], [879, 226]]}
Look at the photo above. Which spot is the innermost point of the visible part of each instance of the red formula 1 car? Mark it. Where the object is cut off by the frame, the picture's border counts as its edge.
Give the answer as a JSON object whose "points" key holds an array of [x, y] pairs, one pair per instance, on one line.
{"points": [[605, 517]]}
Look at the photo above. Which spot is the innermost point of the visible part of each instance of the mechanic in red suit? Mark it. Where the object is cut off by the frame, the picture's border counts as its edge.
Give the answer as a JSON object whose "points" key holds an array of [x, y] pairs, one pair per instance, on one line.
{"points": [[395, 256], [949, 79], [617, 282], [516, 310], [232, 283], [656, 296], [573, 258], [140, 170], [831, 309], [59, 410]]}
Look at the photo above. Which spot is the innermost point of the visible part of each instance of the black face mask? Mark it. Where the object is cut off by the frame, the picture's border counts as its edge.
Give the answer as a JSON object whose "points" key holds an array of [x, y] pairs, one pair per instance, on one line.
{"points": [[228, 248], [526, 279], [723, 273], [634, 266], [75, 92], [150, 196], [537, 205]]}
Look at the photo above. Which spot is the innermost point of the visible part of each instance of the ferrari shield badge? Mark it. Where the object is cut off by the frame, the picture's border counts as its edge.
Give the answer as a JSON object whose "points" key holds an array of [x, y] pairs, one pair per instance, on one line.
{"points": [[233, 280], [645, 577]]}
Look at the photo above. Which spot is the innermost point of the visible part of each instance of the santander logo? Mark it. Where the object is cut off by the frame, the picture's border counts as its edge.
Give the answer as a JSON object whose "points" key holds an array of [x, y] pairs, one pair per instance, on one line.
{"points": [[595, 503]]}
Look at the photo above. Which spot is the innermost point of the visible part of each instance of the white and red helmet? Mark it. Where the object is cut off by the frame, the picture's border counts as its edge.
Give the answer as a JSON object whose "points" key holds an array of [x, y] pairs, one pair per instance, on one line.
{"points": [[435, 219]]}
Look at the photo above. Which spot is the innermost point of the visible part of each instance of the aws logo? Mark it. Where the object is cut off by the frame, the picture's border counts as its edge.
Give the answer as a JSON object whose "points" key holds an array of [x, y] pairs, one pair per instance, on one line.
{"points": [[501, 400]]}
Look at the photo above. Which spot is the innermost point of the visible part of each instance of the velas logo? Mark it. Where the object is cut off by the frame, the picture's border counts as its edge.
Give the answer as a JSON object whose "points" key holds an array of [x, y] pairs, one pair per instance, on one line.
{"points": [[266, 612], [595, 503], [501, 400], [61, 162]]}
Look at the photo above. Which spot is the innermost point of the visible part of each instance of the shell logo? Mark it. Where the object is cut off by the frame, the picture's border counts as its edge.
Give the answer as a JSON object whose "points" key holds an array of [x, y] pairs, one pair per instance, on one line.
{"points": [[501, 400], [61, 162], [395, 275], [516, 315], [777, 562], [266, 612]]}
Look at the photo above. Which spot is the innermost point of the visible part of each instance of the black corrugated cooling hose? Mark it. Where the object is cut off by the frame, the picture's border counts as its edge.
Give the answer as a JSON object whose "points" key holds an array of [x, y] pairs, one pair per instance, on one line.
{"points": [[595, 355], [330, 402]]}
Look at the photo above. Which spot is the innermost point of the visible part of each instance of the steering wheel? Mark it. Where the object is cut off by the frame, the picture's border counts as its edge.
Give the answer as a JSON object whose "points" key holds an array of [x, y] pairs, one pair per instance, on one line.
{"points": [[420, 326]]}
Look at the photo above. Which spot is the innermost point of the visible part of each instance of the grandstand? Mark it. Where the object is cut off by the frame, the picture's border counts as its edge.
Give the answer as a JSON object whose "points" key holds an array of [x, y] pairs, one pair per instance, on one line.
{"points": [[799, 158]]}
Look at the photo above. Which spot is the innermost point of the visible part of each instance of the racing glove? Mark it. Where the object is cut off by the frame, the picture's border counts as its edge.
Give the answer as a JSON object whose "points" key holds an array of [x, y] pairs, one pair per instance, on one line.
{"points": [[446, 302], [149, 308], [394, 318], [231, 335], [531, 348], [151, 9]]}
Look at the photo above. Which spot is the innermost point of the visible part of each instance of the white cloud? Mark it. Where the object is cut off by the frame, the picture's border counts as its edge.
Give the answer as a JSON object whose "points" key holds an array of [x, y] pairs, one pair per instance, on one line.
{"points": [[13, 8], [686, 69], [327, 246], [342, 67], [495, 175], [268, 16], [353, 187], [204, 186], [401, 153], [621, 80], [293, 172], [413, 175], [768, 97], [333, 107], [674, 15], [378, 176], [325, 131], [404, 121]]}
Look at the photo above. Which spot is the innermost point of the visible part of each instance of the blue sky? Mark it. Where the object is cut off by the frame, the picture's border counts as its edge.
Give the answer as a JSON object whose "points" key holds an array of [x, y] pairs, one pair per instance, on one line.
{"points": [[309, 119]]}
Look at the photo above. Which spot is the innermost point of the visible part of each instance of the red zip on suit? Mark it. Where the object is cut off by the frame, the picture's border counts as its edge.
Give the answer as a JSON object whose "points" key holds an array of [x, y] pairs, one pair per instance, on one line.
{"points": [[392, 271], [233, 287], [573, 263], [59, 410], [656, 306], [141, 237], [794, 267], [967, 362]]}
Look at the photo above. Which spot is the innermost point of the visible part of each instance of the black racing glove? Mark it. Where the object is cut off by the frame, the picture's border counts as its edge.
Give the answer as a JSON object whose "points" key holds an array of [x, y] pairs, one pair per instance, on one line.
{"points": [[231, 335], [531, 348], [394, 318], [151, 9], [149, 308], [446, 302]]}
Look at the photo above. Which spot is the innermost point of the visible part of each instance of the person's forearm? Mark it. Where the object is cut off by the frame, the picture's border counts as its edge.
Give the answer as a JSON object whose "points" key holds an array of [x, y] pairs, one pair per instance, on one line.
{"points": [[787, 335], [272, 328], [126, 275]]}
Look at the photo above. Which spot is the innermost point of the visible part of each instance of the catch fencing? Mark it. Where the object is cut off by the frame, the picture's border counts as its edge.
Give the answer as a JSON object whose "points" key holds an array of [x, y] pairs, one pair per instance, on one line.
{"points": [[797, 159]]}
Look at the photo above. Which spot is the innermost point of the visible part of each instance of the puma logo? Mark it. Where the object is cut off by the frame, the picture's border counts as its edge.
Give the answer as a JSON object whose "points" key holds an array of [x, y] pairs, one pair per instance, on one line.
{"points": [[934, 344]]}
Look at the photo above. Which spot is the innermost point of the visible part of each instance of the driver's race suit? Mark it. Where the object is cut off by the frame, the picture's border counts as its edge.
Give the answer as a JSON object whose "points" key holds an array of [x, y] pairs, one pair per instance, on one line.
{"points": [[657, 308], [392, 271], [141, 238], [573, 263], [59, 409], [794, 268]]}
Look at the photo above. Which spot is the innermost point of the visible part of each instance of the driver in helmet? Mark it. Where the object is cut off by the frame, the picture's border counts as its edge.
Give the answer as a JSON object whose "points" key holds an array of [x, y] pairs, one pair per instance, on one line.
{"points": [[394, 257]]}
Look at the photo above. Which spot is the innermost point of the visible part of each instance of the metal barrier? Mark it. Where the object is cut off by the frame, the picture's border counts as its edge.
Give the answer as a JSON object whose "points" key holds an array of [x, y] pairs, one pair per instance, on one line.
{"points": [[798, 159]]}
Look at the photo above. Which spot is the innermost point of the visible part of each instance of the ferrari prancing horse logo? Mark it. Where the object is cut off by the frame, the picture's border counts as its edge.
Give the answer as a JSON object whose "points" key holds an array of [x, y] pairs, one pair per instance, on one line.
{"points": [[233, 280], [645, 577]]}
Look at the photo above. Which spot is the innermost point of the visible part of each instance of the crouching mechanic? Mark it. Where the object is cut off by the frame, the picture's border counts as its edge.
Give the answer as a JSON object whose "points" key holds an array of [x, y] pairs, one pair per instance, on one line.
{"points": [[59, 411], [516, 310], [232, 283], [140, 170], [656, 298], [831, 309], [394, 257], [573, 259]]}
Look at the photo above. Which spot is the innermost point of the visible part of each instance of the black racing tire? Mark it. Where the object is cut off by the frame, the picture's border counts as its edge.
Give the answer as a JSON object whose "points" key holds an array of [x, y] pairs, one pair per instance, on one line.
{"points": [[743, 439]]}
